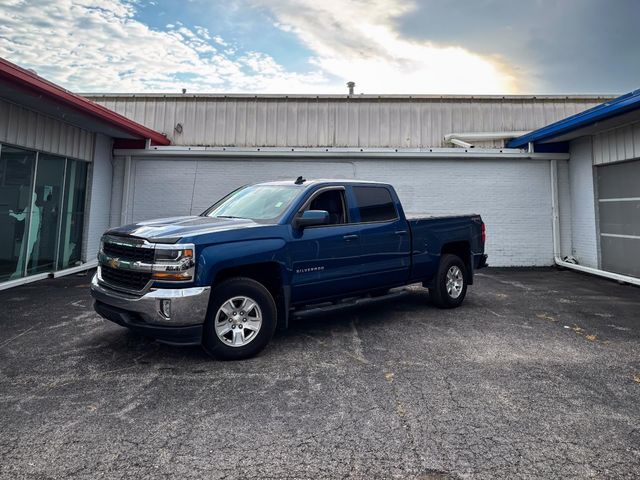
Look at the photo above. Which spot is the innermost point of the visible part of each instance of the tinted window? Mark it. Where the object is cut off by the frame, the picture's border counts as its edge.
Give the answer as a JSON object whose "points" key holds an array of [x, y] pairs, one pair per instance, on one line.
{"points": [[374, 204]]}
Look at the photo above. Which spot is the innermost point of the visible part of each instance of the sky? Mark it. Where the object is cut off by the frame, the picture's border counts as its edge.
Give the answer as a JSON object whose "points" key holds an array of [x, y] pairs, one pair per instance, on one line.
{"points": [[316, 46]]}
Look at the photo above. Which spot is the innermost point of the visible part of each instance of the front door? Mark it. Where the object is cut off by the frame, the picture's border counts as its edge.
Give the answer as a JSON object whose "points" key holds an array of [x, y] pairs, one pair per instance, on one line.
{"points": [[326, 259]]}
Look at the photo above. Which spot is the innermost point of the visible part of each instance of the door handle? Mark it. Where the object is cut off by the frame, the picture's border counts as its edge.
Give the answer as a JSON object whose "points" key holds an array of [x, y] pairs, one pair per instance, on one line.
{"points": [[348, 238], [400, 232]]}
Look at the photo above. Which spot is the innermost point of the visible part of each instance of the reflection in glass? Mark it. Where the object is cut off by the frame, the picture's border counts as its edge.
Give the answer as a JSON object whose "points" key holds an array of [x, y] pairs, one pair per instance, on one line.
{"points": [[16, 198], [47, 199], [73, 214]]}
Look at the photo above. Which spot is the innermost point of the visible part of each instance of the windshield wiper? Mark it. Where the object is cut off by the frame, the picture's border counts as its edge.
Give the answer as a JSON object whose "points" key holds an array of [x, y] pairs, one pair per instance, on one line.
{"points": [[229, 216]]}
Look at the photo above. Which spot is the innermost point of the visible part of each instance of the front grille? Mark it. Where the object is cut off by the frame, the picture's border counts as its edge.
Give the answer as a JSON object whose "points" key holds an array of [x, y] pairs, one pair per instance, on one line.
{"points": [[126, 252], [128, 279]]}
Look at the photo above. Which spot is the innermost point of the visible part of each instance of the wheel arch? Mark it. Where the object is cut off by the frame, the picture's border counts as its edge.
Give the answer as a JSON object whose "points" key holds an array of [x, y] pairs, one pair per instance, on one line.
{"points": [[461, 249], [268, 274]]}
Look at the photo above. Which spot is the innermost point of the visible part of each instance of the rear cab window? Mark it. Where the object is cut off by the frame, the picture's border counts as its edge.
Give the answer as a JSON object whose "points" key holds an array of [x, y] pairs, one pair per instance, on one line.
{"points": [[374, 204]]}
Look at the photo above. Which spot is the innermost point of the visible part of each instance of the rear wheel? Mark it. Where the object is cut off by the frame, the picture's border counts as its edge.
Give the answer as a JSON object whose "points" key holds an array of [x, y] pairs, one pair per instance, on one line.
{"points": [[450, 284], [240, 321]]}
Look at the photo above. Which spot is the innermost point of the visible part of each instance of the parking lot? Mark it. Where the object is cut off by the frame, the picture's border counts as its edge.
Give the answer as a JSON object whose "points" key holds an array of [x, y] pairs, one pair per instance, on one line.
{"points": [[537, 375]]}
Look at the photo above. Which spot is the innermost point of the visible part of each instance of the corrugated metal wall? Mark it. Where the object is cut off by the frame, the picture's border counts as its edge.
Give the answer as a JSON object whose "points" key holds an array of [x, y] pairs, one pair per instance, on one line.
{"points": [[337, 121], [615, 145], [25, 128]]}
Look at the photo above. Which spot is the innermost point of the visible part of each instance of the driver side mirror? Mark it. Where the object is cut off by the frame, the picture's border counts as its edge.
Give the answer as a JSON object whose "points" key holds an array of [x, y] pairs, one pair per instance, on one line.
{"points": [[311, 218]]}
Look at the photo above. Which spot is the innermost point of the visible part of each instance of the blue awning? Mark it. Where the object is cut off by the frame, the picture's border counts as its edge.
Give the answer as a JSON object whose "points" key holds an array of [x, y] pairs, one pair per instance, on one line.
{"points": [[612, 108]]}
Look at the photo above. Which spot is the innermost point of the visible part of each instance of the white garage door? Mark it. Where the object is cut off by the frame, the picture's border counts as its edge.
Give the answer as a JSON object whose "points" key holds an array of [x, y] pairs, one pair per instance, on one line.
{"points": [[619, 215], [513, 196]]}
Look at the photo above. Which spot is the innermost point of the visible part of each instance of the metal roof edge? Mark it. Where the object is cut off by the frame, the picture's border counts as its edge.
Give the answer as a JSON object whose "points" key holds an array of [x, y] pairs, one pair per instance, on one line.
{"points": [[347, 97], [14, 73], [622, 104]]}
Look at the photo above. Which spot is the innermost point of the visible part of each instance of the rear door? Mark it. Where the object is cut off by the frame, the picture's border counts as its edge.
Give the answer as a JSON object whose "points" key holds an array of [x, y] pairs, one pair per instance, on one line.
{"points": [[325, 259], [384, 237]]}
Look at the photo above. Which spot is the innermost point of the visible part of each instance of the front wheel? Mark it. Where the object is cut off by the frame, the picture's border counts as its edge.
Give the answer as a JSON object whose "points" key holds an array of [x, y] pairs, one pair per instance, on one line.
{"points": [[240, 321], [450, 284]]}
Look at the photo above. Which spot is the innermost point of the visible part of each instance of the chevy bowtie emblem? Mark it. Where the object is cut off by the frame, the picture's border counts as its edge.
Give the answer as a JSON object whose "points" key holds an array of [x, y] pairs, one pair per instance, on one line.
{"points": [[114, 263]]}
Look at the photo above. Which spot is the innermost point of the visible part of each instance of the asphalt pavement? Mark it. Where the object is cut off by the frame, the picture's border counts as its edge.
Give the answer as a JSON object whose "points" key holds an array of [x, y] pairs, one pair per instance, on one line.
{"points": [[537, 375]]}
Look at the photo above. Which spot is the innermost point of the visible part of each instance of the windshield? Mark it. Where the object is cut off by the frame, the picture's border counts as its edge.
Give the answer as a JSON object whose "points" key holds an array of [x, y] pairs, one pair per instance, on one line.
{"points": [[255, 202]]}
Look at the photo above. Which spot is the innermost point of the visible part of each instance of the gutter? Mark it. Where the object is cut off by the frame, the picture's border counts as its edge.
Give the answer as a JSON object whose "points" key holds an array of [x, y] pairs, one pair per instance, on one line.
{"points": [[299, 153], [556, 238]]}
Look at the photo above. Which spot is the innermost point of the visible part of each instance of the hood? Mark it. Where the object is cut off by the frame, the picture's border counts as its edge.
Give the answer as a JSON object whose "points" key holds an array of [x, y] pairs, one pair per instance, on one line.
{"points": [[170, 230]]}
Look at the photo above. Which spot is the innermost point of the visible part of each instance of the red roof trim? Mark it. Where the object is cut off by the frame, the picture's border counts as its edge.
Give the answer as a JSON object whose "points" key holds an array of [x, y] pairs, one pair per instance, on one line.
{"points": [[25, 78]]}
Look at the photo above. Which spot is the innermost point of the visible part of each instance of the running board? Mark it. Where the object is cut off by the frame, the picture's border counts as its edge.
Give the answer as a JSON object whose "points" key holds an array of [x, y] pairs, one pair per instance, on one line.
{"points": [[329, 307]]}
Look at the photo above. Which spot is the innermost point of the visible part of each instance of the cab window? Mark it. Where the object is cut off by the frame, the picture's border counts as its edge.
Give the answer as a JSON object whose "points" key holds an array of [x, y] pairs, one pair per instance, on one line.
{"points": [[333, 202], [374, 204]]}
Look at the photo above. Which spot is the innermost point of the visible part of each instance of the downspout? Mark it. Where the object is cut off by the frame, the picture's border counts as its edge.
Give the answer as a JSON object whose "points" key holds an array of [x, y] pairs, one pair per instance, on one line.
{"points": [[556, 238]]}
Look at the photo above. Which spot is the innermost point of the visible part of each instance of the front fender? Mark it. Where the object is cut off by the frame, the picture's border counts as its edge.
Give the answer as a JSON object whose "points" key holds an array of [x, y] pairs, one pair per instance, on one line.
{"points": [[214, 258]]}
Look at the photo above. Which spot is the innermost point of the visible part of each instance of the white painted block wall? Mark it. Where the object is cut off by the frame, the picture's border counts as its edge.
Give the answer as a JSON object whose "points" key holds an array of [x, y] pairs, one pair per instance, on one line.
{"points": [[513, 196], [99, 195], [584, 232]]}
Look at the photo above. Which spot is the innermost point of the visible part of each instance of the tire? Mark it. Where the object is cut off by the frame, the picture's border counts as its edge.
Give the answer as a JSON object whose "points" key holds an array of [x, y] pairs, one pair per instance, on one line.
{"points": [[239, 336], [450, 284]]}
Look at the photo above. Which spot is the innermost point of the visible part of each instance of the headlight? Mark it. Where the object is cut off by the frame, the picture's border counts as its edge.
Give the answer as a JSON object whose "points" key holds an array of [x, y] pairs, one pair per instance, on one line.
{"points": [[174, 264], [166, 255]]}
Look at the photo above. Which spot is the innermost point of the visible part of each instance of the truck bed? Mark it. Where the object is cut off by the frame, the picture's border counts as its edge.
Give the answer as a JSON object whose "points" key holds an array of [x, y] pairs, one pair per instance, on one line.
{"points": [[425, 215], [431, 234]]}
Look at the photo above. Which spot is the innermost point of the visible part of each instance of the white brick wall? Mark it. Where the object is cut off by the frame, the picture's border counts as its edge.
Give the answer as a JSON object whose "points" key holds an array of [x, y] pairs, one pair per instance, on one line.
{"points": [[583, 205], [564, 206], [97, 219], [117, 192], [513, 196]]}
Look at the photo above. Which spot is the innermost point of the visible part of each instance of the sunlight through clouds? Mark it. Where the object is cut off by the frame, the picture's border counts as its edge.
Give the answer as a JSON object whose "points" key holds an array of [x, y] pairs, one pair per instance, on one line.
{"points": [[356, 41]]}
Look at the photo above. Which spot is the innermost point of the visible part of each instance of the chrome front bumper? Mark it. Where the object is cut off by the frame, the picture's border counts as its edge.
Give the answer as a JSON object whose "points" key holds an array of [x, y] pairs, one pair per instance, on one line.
{"points": [[188, 305]]}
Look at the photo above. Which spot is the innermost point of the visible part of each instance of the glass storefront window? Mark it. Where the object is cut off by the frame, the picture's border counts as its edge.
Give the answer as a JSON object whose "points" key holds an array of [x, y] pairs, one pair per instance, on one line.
{"points": [[42, 200], [16, 185], [47, 200], [72, 219]]}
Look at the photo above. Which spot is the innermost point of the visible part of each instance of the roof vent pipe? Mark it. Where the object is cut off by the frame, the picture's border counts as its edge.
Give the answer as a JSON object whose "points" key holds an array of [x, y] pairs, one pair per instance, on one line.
{"points": [[351, 86]]}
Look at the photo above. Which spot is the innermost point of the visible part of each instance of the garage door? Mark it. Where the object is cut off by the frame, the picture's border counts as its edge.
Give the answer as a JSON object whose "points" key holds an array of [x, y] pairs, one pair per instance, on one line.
{"points": [[619, 211]]}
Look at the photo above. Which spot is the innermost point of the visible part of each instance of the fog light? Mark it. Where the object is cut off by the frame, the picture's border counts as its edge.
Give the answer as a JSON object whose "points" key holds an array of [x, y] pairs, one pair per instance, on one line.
{"points": [[165, 308]]}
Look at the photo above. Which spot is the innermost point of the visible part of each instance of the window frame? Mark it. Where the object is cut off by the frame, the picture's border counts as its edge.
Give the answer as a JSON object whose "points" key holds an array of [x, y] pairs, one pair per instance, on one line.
{"points": [[317, 193], [24, 278]]}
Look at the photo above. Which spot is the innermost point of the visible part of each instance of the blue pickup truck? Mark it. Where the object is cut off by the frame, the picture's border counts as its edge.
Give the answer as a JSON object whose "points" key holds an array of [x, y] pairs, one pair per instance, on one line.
{"points": [[228, 278]]}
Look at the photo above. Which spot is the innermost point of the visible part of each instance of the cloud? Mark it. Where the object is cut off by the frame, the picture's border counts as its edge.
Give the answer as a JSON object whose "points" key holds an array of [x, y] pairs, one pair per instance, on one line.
{"points": [[385, 46], [99, 45], [568, 46], [358, 40]]}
